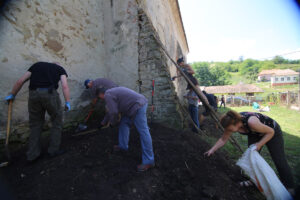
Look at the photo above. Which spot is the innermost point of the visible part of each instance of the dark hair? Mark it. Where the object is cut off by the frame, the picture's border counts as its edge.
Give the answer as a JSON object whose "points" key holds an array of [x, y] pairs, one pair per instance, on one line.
{"points": [[180, 60], [230, 118], [100, 90]]}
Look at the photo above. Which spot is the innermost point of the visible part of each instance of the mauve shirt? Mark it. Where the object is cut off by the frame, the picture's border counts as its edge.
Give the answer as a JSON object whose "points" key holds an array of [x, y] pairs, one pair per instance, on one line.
{"points": [[102, 82], [122, 100]]}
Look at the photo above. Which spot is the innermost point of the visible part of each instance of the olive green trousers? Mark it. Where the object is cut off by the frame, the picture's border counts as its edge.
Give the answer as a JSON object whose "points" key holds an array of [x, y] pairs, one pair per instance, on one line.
{"points": [[38, 103]]}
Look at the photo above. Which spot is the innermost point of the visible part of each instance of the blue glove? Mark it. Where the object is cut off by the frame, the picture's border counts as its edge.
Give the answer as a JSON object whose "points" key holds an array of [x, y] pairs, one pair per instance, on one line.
{"points": [[67, 106], [10, 97]]}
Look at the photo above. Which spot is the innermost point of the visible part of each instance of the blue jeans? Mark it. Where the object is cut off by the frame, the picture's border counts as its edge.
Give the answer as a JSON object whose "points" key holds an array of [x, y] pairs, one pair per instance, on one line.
{"points": [[140, 122], [194, 114]]}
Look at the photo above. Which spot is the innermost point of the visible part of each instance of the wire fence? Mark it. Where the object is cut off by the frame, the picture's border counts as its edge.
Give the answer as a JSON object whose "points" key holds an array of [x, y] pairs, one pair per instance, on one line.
{"points": [[289, 99]]}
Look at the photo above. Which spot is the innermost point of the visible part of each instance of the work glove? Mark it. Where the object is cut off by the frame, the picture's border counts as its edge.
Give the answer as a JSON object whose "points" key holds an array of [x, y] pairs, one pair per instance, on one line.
{"points": [[67, 106], [10, 97]]}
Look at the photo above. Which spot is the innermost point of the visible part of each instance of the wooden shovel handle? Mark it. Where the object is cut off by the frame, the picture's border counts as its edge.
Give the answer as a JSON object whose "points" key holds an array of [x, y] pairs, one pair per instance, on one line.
{"points": [[8, 121]]}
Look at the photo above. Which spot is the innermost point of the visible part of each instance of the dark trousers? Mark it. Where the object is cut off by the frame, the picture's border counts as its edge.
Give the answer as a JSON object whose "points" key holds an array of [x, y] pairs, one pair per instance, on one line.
{"points": [[222, 103], [276, 149], [38, 103], [193, 110]]}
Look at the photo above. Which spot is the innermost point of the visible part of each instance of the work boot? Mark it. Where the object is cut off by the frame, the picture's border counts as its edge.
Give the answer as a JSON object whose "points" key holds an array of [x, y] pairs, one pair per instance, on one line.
{"points": [[144, 167]]}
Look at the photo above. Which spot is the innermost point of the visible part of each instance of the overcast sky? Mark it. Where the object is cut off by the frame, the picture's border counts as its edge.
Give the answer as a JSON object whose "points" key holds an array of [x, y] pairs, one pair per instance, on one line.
{"points": [[223, 30]]}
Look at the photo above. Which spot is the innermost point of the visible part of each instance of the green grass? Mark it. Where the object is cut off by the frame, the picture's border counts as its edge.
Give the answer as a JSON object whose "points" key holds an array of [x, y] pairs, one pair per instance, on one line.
{"points": [[266, 86], [289, 121], [294, 67], [237, 78]]}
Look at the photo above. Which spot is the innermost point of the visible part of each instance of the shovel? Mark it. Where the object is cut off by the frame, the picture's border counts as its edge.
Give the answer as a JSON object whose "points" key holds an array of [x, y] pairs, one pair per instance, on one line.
{"points": [[7, 134], [83, 126]]}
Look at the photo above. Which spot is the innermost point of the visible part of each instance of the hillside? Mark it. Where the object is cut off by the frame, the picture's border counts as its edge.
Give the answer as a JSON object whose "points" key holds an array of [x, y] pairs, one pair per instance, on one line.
{"points": [[235, 72], [90, 170]]}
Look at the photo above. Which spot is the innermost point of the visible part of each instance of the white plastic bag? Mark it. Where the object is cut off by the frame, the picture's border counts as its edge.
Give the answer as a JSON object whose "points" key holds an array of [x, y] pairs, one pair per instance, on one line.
{"points": [[262, 175]]}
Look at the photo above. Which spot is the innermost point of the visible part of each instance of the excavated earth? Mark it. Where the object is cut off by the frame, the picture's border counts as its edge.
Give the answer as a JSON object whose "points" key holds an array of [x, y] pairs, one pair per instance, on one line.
{"points": [[91, 170]]}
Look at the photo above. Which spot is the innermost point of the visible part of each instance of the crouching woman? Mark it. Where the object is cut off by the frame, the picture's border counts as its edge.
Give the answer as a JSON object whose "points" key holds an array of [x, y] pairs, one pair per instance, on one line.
{"points": [[260, 130]]}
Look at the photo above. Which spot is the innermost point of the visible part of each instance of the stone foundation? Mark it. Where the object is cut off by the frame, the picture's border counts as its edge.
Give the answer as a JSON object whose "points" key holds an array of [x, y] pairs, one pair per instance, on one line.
{"points": [[153, 65]]}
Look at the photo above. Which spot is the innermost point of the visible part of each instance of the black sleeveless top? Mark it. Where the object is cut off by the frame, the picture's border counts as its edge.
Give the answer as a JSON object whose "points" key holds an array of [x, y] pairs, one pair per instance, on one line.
{"points": [[262, 118]]}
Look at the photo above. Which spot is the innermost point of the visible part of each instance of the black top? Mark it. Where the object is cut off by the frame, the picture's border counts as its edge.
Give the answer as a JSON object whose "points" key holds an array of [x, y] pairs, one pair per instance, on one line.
{"points": [[191, 77], [262, 118], [45, 75], [211, 100], [222, 99]]}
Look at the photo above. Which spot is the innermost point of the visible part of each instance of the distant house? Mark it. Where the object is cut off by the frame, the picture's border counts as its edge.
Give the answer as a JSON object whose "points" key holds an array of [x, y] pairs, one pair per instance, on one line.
{"points": [[265, 75], [279, 76], [247, 89], [284, 77]]}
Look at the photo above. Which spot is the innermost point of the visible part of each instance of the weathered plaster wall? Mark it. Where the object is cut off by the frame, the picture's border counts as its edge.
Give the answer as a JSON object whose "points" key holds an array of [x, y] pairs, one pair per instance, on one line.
{"points": [[90, 39]]}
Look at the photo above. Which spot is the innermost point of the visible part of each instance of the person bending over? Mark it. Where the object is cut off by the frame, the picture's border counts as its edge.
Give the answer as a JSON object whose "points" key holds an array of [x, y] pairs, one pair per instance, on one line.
{"points": [[133, 107], [261, 130]]}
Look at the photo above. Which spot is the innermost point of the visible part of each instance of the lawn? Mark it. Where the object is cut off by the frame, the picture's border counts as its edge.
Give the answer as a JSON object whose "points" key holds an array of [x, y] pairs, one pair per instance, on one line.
{"points": [[289, 121], [266, 86], [237, 78]]}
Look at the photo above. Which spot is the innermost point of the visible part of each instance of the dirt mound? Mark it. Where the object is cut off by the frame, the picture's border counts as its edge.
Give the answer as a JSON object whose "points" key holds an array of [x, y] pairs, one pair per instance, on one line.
{"points": [[91, 170]]}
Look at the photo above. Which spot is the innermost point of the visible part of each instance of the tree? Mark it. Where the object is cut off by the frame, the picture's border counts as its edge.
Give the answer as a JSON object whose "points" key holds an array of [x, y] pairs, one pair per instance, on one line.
{"points": [[250, 69], [278, 60], [210, 76]]}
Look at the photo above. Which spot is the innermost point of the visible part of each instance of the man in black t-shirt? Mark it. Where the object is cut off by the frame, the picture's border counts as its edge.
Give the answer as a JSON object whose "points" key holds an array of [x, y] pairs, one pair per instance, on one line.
{"points": [[44, 78]]}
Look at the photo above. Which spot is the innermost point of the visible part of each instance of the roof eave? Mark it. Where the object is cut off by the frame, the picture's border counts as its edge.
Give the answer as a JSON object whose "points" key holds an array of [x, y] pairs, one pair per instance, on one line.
{"points": [[186, 42]]}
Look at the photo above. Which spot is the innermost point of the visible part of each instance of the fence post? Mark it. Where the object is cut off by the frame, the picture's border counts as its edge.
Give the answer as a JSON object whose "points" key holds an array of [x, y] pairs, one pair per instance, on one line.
{"points": [[288, 99]]}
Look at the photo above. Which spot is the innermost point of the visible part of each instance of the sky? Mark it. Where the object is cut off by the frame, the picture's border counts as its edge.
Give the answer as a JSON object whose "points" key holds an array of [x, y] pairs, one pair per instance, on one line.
{"points": [[223, 30]]}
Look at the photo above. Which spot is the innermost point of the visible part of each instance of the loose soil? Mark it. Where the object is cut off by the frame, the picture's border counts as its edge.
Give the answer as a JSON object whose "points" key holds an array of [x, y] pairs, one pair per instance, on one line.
{"points": [[91, 170]]}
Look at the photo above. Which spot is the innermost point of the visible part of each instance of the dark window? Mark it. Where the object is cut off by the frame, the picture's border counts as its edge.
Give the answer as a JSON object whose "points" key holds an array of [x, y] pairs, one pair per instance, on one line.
{"points": [[295, 78], [276, 79], [282, 79], [250, 94], [288, 78]]}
